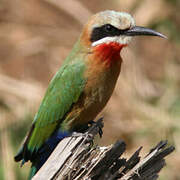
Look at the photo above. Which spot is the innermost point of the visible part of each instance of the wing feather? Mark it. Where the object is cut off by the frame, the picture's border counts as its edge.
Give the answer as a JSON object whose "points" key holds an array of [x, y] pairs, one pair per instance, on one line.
{"points": [[64, 90]]}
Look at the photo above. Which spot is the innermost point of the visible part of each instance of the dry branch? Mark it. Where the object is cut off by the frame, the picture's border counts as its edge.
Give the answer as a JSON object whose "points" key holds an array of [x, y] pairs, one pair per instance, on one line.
{"points": [[75, 158]]}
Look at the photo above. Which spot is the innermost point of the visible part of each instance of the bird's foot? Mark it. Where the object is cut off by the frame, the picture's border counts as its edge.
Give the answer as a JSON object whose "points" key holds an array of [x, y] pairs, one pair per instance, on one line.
{"points": [[91, 123], [87, 138], [89, 126], [89, 130]]}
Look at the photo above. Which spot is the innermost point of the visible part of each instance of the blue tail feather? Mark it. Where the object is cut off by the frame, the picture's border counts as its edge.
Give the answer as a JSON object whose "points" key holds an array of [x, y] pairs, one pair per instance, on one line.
{"points": [[45, 151]]}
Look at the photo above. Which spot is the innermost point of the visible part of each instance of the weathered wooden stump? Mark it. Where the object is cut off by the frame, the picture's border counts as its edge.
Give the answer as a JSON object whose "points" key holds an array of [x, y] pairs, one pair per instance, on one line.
{"points": [[76, 158]]}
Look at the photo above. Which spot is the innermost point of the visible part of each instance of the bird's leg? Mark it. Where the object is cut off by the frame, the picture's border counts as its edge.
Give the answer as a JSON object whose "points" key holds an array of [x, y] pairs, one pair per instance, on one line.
{"points": [[87, 137], [87, 131], [84, 128], [91, 123]]}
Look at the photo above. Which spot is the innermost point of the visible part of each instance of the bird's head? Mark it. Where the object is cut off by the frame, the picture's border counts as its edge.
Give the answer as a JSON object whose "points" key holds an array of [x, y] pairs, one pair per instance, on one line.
{"points": [[112, 29]]}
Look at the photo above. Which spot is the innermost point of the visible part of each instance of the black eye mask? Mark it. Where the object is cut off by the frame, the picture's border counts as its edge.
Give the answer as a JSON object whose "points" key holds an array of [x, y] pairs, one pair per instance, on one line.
{"points": [[106, 30]]}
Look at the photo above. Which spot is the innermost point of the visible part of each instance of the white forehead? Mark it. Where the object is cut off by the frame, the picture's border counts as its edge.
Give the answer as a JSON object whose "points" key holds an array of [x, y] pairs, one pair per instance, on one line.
{"points": [[120, 20]]}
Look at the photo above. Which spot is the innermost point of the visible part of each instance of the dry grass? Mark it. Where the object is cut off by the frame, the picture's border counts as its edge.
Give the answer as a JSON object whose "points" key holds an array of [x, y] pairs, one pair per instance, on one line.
{"points": [[35, 38]]}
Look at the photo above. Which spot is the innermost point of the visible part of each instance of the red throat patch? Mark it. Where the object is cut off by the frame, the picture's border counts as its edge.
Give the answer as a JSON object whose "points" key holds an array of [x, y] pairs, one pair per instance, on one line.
{"points": [[109, 52]]}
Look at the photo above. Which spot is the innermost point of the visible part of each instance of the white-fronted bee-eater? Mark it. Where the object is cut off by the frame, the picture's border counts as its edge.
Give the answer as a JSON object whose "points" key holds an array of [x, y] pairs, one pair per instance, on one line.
{"points": [[82, 86]]}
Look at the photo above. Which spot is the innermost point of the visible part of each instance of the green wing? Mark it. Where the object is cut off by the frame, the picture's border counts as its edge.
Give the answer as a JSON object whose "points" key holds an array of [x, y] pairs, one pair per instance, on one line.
{"points": [[64, 90]]}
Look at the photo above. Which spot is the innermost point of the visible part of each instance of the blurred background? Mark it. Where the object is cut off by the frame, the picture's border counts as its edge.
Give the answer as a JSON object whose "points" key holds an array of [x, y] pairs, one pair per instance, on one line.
{"points": [[36, 36]]}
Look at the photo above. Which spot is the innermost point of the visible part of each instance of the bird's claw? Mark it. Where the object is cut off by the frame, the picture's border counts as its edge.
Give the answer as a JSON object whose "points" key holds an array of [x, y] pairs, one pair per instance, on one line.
{"points": [[100, 128], [87, 137]]}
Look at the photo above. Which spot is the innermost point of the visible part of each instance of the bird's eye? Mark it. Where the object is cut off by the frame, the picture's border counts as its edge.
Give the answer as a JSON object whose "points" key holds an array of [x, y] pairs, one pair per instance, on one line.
{"points": [[108, 28]]}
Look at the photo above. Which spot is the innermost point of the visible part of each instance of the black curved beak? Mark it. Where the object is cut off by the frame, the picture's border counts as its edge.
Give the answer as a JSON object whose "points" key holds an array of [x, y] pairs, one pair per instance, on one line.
{"points": [[141, 31]]}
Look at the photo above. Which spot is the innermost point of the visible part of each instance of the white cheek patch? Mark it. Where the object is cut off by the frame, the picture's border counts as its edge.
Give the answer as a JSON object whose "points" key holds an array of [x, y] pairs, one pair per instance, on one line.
{"points": [[116, 39]]}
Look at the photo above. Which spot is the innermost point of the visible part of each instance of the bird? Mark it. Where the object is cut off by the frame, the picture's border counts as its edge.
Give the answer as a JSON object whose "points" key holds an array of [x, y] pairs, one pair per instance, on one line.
{"points": [[82, 86]]}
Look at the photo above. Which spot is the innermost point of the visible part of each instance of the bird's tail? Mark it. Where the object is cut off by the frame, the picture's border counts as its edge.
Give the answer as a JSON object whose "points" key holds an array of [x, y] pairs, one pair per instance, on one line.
{"points": [[39, 157], [32, 172]]}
